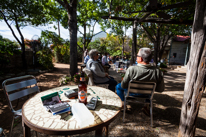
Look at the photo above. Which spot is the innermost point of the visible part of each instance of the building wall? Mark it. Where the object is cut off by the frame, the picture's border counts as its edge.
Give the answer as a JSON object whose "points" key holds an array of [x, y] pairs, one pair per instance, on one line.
{"points": [[178, 53]]}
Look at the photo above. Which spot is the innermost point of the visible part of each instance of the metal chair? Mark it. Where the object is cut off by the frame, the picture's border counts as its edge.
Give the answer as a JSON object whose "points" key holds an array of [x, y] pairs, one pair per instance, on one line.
{"points": [[16, 88], [88, 72], [146, 89], [2, 134]]}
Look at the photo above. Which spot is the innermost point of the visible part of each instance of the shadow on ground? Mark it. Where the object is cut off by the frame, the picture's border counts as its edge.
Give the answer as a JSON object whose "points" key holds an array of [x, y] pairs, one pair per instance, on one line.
{"points": [[167, 108]]}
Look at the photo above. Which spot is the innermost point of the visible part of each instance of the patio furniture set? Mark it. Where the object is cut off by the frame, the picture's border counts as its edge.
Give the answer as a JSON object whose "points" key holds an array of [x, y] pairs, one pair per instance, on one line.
{"points": [[35, 117]]}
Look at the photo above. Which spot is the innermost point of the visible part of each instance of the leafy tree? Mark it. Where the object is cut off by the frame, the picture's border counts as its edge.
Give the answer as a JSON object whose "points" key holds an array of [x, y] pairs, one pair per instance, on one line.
{"points": [[22, 13], [71, 8], [119, 28], [59, 45], [133, 11], [89, 13], [159, 34]]}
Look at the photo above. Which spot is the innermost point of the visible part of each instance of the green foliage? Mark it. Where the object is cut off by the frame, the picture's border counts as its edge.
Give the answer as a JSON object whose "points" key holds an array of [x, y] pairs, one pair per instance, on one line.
{"points": [[68, 78], [7, 49], [45, 58], [162, 65], [77, 75], [163, 70], [59, 45], [122, 74]]}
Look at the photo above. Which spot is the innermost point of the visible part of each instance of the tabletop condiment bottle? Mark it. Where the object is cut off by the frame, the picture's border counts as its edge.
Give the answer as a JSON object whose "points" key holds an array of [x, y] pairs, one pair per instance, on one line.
{"points": [[82, 89]]}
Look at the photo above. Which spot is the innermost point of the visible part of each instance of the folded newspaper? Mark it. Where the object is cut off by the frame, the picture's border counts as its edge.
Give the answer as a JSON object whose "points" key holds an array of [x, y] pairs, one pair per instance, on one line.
{"points": [[53, 103]]}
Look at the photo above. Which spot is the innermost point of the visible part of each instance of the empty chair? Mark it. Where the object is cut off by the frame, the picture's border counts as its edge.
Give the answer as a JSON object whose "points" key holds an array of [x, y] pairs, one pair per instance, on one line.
{"points": [[91, 82], [2, 134], [146, 89], [16, 88]]}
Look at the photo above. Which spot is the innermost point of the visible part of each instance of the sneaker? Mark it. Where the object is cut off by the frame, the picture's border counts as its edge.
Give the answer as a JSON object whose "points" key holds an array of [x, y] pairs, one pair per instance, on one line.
{"points": [[146, 111]]}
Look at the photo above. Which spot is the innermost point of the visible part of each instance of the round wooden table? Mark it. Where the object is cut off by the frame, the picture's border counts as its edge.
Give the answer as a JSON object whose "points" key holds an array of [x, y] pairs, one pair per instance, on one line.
{"points": [[34, 115]]}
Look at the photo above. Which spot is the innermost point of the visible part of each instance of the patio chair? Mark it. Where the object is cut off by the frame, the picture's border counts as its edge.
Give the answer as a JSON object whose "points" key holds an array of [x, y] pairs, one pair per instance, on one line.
{"points": [[146, 89], [88, 72], [2, 134], [16, 88]]}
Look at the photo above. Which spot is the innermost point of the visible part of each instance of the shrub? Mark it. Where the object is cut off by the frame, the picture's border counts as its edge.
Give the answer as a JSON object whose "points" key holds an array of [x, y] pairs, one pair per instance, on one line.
{"points": [[7, 49], [45, 58], [162, 65]]}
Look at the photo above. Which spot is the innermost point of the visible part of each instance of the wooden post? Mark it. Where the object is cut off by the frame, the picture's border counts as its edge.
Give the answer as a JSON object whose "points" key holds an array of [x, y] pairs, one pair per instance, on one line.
{"points": [[134, 43], [196, 73]]}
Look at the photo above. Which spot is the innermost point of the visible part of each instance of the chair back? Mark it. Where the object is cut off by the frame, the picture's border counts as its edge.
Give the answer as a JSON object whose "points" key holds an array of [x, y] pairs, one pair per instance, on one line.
{"points": [[141, 87], [88, 72], [15, 88]]}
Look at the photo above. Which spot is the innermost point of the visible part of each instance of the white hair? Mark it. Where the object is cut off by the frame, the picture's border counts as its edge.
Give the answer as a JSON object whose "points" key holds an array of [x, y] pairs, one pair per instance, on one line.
{"points": [[146, 54], [92, 53]]}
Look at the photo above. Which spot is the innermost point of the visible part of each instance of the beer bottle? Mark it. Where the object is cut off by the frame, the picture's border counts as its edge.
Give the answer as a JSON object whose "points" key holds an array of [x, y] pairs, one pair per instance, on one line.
{"points": [[82, 89]]}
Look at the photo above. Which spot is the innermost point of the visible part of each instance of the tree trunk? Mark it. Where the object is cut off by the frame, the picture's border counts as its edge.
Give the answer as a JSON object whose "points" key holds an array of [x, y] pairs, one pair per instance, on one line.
{"points": [[134, 43], [84, 42], [196, 73], [73, 37], [24, 63], [155, 52], [122, 48]]}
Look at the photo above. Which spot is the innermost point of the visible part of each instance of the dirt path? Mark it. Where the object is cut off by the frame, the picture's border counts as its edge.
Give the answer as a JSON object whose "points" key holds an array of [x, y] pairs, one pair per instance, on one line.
{"points": [[167, 108]]}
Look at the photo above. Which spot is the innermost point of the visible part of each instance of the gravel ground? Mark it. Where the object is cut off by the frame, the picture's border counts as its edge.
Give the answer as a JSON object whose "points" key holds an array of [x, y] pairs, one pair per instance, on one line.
{"points": [[167, 108]]}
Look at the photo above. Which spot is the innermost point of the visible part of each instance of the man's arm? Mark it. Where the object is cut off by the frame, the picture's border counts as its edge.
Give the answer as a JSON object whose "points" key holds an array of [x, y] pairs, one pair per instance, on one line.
{"points": [[95, 68], [126, 79]]}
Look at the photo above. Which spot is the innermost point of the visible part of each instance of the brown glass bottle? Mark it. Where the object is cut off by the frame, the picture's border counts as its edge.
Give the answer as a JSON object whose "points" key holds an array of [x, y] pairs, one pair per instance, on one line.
{"points": [[82, 89]]}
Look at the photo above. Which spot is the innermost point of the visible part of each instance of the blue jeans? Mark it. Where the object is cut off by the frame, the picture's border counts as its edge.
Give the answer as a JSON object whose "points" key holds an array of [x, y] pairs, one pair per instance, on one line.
{"points": [[121, 91], [112, 83]]}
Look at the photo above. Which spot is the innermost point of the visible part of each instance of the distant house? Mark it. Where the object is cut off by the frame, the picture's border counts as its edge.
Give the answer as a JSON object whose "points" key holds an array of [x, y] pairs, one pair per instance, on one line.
{"points": [[99, 35], [179, 50]]}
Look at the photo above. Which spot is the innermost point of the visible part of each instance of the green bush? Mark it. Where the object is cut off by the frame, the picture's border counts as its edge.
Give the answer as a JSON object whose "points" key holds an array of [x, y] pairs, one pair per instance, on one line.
{"points": [[45, 58], [162, 65], [7, 49]]}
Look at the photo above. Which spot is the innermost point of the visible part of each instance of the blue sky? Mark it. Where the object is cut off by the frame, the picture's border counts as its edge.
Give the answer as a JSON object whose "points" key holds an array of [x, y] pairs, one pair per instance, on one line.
{"points": [[29, 31]]}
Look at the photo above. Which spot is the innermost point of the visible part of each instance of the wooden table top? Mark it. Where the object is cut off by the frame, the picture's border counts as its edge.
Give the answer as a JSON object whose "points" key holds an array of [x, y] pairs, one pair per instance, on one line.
{"points": [[36, 117]]}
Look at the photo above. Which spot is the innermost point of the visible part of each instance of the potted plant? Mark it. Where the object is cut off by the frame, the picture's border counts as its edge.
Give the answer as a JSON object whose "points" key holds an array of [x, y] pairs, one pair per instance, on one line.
{"points": [[122, 75]]}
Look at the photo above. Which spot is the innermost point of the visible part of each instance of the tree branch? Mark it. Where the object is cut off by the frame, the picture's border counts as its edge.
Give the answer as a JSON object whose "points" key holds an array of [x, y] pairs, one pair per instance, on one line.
{"points": [[10, 27], [80, 32], [148, 34], [17, 27], [157, 20], [64, 3]]}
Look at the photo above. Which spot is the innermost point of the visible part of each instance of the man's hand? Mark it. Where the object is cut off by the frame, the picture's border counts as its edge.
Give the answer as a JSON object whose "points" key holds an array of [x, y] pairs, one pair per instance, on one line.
{"points": [[107, 75]]}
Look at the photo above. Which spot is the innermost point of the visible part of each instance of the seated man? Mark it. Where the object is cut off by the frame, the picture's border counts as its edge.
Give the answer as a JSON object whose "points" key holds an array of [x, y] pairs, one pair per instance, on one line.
{"points": [[142, 72], [99, 75], [104, 61]]}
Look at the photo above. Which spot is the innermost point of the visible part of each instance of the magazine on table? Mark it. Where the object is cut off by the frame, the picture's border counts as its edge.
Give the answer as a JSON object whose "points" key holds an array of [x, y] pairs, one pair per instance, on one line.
{"points": [[53, 103]]}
